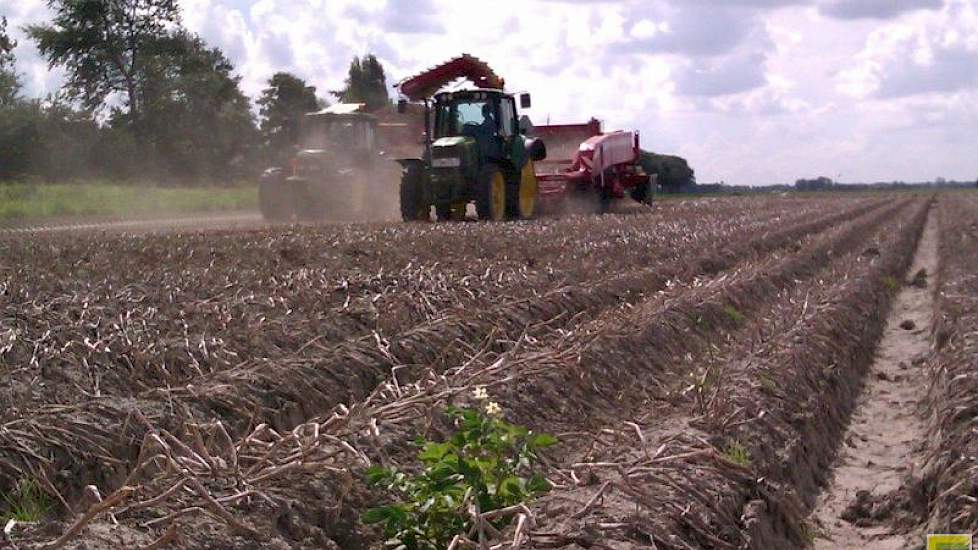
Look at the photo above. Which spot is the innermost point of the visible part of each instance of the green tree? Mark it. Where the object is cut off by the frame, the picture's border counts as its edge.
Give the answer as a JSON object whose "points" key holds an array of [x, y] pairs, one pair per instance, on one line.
{"points": [[282, 104], [673, 172], [102, 43], [18, 119], [196, 118], [9, 82], [366, 83]]}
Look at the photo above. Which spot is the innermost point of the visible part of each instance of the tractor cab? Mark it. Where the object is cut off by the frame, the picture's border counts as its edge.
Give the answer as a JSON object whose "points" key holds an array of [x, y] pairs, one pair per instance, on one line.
{"points": [[337, 152], [339, 131], [484, 119]]}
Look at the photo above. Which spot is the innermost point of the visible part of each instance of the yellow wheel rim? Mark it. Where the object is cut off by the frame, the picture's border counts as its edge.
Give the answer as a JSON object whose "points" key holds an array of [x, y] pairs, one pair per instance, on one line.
{"points": [[498, 196], [528, 191]]}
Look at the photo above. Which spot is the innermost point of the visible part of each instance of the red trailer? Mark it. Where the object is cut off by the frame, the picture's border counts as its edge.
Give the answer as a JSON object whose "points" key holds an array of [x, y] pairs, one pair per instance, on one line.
{"points": [[583, 161]]}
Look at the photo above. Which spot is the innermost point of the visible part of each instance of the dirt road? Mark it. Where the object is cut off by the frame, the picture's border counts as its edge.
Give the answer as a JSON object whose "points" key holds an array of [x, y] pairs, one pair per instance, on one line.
{"points": [[234, 220]]}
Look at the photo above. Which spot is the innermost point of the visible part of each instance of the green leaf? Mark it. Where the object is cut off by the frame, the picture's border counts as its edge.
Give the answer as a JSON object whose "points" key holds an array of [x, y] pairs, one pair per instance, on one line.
{"points": [[378, 474], [538, 484], [511, 487], [543, 440], [377, 515], [442, 472], [433, 452]]}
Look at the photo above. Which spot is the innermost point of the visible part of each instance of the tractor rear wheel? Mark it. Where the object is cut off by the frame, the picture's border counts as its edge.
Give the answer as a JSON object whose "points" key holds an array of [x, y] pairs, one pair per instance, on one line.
{"points": [[490, 193], [413, 207], [275, 200]]}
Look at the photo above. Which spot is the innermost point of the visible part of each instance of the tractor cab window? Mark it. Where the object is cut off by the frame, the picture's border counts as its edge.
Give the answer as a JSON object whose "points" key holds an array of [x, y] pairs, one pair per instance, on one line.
{"points": [[507, 118], [473, 118], [325, 134]]}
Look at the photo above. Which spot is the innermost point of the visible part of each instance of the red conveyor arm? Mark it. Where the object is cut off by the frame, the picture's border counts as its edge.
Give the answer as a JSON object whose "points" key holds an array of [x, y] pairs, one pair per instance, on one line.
{"points": [[466, 66]]}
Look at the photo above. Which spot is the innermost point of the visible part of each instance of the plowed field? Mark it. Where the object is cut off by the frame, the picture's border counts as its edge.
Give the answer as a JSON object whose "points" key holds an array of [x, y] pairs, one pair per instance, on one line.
{"points": [[698, 362]]}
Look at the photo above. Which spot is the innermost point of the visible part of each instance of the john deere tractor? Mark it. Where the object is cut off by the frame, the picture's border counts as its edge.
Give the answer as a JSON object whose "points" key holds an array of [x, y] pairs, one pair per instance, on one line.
{"points": [[474, 150]]}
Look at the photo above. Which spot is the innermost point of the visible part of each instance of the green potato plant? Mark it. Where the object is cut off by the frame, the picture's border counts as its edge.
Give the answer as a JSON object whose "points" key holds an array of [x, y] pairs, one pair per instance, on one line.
{"points": [[487, 464]]}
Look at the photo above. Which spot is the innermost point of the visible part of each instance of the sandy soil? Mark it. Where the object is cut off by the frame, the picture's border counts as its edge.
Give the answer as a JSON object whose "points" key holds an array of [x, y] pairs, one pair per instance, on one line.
{"points": [[882, 441]]}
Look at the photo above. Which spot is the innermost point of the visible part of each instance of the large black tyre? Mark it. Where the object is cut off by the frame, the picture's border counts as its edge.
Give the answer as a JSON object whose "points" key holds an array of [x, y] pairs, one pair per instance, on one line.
{"points": [[490, 193], [512, 194], [526, 193], [413, 207], [310, 203], [643, 193], [275, 200], [443, 212], [604, 200]]}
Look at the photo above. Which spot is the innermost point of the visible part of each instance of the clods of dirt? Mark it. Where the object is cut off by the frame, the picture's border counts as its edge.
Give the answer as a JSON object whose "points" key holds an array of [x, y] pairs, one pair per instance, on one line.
{"points": [[866, 509], [920, 278]]}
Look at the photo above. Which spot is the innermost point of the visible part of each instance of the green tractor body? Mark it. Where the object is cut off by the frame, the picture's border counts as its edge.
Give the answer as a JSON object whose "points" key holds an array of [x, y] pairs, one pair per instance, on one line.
{"points": [[475, 154]]}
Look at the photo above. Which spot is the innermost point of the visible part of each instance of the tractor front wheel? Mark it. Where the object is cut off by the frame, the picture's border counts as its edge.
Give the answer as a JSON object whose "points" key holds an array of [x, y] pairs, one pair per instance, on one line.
{"points": [[490, 194], [450, 212], [310, 202], [413, 207], [275, 200], [522, 194]]}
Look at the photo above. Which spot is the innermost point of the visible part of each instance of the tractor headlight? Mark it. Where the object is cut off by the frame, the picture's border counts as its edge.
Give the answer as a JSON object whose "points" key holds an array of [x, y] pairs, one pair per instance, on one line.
{"points": [[449, 162]]}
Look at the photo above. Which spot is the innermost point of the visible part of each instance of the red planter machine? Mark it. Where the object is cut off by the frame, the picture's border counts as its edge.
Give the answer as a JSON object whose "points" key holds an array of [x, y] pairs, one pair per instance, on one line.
{"points": [[580, 157]]}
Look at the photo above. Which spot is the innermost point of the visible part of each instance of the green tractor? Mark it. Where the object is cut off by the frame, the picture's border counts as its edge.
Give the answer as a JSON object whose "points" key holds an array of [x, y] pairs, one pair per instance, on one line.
{"points": [[325, 178], [474, 152]]}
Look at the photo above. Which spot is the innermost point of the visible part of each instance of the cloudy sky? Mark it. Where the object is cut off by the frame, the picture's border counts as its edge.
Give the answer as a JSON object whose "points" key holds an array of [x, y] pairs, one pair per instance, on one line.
{"points": [[750, 91]]}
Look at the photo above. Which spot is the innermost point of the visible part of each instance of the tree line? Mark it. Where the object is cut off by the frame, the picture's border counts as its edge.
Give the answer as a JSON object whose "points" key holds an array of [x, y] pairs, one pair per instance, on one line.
{"points": [[144, 97]]}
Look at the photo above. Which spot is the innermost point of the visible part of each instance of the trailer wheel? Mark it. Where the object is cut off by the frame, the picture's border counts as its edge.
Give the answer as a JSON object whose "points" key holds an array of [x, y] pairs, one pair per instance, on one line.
{"points": [[643, 193], [275, 200], [413, 207], [490, 193], [604, 200]]}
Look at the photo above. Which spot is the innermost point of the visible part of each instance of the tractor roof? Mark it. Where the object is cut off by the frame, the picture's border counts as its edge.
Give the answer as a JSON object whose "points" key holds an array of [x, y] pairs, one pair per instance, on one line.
{"points": [[469, 67], [449, 94], [345, 110]]}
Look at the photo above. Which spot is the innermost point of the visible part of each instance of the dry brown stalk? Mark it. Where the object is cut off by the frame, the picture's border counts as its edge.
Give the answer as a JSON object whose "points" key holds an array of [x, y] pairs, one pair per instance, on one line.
{"points": [[96, 509]]}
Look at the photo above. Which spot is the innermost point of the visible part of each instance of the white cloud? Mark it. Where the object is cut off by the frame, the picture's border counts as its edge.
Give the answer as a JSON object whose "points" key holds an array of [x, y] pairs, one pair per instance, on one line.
{"points": [[935, 53]]}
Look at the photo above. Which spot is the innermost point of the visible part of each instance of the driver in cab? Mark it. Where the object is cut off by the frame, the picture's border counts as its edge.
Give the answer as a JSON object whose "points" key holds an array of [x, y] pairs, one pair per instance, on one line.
{"points": [[486, 130]]}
